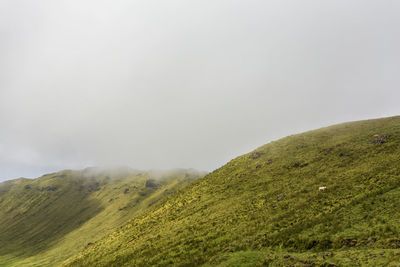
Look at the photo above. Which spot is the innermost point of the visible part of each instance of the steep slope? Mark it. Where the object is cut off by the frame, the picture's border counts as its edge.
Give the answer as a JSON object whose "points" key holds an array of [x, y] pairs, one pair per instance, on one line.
{"points": [[265, 207], [45, 220]]}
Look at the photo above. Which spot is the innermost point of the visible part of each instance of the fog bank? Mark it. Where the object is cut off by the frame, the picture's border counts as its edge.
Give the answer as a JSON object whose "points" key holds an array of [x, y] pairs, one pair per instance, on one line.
{"points": [[188, 84]]}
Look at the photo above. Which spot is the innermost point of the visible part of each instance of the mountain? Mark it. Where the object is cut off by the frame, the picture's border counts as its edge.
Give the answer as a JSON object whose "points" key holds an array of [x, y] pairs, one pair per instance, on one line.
{"points": [[328, 197], [46, 220]]}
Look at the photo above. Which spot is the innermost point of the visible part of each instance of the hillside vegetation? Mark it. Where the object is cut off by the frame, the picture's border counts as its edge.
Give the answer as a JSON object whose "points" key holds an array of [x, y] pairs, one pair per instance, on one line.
{"points": [[46, 220], [265, 207]]}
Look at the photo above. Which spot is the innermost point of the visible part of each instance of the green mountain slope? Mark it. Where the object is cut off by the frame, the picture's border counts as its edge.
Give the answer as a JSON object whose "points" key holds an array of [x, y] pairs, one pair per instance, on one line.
{"points": [[266, 207], [46, 220]]}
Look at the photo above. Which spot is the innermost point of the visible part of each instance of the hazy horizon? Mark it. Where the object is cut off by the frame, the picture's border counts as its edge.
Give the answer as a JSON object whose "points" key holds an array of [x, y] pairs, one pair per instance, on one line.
{"points": [[185, 84]]}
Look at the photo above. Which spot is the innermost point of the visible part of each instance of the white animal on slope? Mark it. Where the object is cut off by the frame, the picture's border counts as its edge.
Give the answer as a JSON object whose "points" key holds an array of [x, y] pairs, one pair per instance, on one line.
{"points": [[322, 188]]}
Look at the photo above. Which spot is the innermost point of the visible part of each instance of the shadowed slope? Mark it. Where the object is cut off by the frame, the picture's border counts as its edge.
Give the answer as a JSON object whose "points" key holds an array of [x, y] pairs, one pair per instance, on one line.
{"points": [[268, 202], [34, 214]]}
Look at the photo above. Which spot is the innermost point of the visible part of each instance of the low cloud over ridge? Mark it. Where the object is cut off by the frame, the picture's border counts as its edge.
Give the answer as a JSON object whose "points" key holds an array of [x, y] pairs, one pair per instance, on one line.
{"points": [[165, 84]]}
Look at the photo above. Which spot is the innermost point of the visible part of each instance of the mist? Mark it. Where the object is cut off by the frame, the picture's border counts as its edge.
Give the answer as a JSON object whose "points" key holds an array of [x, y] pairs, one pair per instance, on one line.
{"points": [[185, 84]]}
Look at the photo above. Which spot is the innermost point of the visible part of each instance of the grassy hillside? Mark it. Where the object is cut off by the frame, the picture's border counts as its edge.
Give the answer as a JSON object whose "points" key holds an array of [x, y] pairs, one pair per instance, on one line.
{"points": [[265, 207], [46, 220]]}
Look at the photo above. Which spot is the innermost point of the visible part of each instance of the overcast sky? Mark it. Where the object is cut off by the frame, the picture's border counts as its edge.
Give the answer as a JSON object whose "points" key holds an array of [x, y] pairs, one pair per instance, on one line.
{"points": [[164, 84]]}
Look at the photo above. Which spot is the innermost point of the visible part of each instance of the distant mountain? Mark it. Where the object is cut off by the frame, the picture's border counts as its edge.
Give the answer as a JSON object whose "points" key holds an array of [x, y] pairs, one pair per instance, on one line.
{"points": [[328, 197], [43, 221]]}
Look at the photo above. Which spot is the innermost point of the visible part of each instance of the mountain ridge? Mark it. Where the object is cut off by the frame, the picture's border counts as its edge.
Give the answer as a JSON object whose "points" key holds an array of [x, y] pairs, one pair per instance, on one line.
{"points": [[46, 219], [326, 197], [265, 207]]}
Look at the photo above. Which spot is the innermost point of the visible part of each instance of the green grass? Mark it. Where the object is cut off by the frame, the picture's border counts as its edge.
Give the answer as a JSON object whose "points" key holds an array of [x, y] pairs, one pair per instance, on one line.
{"points": [[46, 220], [264, 208], [345, 257]]}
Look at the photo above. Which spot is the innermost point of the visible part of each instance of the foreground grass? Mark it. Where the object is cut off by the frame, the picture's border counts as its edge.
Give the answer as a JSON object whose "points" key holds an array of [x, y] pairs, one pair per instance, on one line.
{"points": [[347, 257], [265, 207]]}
